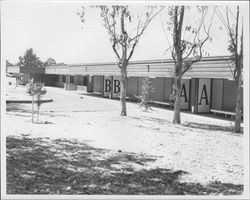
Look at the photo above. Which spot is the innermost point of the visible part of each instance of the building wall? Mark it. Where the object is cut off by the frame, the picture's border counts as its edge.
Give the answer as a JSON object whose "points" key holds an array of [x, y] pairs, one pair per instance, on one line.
{"points": [[229, 91], [132, 87], [204, 95], [97, 84], [50, 79], [193, 95], [229, 98], [167, 88], [220, 91], [217, 94], [139, 85], [78, 79], [157, 89]]}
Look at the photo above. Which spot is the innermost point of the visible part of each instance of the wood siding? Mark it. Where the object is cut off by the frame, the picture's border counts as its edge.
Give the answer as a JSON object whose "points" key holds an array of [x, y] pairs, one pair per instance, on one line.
{"points": [[167, 89], [157, 89], [132, 87], [98, 84], [229, 98], [213, 67], [217, 94]]}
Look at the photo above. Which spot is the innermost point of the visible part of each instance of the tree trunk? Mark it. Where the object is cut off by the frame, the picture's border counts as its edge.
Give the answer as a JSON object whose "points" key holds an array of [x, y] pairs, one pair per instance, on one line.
{"points": [[123, 90], [38, 115], [238, 63], [177, 102], [178, 62], [237, 109], [38, 107], [32, 108]]}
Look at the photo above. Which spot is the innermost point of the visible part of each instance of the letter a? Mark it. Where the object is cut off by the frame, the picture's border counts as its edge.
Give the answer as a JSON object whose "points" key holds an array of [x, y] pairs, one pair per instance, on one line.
{"points": [[204, 91], [183, 92]]}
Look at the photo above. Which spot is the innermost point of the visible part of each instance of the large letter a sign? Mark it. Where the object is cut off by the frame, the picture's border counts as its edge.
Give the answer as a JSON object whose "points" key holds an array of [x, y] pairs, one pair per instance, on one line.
{"points": [[185, 94], [204, 95]]}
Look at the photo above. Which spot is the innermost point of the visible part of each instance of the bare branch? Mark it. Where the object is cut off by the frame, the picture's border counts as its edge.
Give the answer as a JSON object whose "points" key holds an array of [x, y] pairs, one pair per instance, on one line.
{"points": [[108, 26], [230, 31], [138, 34], [147, 21], [232, 13], [237, 67], [166, 36], [201, 23], [132, 50], [173, 56], [204, 40], [115, 50], [191, 50], [222, 19]]}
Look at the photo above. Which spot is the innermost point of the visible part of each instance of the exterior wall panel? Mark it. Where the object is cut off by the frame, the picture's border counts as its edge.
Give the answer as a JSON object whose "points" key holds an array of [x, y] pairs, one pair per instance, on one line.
{"points": [[97, 84], [116, 87], [157, 89], [217, 94], [193, 95], [107, 86], [204, 95], [185, 94], [132, 87], [168, 89], [229, 91], [140, 83]]}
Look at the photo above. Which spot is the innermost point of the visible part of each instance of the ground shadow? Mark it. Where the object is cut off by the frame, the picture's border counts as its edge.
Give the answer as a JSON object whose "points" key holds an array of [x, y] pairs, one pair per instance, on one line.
{"points": [[210, 127], [19, 108], [60, 166], [150, 119]]}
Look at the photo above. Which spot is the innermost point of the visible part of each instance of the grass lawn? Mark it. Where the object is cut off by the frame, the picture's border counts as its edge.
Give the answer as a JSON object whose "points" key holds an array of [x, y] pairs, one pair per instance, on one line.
{"points": [[82, 146], [60, 166]]}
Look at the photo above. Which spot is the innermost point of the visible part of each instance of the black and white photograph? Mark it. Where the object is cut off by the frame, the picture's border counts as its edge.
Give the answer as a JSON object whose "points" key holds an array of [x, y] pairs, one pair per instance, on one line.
{"points": [[124, 99]]}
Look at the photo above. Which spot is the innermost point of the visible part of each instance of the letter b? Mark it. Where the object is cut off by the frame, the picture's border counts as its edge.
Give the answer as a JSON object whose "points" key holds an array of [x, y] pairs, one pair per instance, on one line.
{"points": [[116, 86], [107, 85]]}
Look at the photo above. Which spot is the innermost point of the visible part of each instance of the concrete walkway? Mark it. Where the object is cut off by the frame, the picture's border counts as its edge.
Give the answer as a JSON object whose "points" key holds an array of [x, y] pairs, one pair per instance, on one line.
{"points": [[19, 95]]}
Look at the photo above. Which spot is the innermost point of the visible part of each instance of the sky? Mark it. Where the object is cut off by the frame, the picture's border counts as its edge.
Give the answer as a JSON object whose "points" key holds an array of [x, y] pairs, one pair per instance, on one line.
{"points": [[53, 29]]}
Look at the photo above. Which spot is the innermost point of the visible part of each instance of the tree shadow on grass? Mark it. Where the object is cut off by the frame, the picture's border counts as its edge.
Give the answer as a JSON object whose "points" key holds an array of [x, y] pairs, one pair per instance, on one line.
{"points": [[22, 110], [150, 119], [210, 127], [60, 166]]}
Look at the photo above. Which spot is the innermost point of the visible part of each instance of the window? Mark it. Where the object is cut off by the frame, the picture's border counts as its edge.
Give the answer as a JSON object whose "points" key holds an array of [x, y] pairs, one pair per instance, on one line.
{"points": [[85, 81], [56, 78], [64, 79]]}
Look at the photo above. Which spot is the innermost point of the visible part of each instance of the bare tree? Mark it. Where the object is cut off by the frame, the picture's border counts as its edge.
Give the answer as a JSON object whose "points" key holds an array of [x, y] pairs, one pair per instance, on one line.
{"points": [[117, 20], [146, 92], [36, 89], [231, 23], [186, 52]]}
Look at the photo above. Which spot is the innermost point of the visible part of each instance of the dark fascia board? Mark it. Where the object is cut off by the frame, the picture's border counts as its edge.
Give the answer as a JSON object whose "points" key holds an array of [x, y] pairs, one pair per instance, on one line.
{"points": [[32, 69]]}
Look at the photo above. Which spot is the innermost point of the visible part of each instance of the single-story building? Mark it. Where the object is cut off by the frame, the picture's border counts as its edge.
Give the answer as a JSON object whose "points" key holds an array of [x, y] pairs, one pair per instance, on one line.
{"points": [[207, 85]]}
